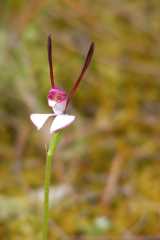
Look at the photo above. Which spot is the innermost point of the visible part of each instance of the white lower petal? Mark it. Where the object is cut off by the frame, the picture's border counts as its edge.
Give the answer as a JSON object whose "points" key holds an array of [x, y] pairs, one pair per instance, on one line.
{"points": [[61, 121], [39, 119]]}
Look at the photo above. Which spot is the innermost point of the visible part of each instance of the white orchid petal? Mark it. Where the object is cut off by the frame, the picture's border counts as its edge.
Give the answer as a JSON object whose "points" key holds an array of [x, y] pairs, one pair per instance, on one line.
{"points": [[61, 121], [39, 119], [59, 107], [51, 103]]}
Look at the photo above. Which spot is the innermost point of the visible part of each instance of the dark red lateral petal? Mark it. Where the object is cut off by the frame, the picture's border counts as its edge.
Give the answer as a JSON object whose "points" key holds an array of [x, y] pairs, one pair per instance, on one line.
{"points": [[50, 60], [84, 68]]}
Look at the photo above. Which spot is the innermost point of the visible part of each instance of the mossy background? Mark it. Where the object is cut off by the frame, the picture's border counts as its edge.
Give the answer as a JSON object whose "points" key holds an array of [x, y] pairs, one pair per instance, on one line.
{"points": [[106, 172]]}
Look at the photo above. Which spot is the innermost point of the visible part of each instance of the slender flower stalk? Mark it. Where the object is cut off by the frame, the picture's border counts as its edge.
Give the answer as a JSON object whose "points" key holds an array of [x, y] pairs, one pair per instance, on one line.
{"points": [[48, 169]]}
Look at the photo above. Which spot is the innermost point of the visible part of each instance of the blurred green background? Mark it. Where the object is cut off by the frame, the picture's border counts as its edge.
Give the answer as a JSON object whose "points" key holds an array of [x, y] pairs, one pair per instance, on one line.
{"points": [[106, 172]]}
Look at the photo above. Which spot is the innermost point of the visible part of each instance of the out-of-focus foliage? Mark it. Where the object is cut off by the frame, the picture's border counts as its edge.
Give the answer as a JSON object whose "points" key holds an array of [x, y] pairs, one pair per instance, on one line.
{"points": [[107, 168]]}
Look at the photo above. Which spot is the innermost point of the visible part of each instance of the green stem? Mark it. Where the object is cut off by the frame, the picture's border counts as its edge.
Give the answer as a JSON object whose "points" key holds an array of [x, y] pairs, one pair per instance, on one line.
{"points": [[51, 150]]}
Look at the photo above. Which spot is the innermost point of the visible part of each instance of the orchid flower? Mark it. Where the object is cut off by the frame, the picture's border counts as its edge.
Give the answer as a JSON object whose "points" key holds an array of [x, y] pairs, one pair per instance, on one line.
{"points": [[58, 99]]}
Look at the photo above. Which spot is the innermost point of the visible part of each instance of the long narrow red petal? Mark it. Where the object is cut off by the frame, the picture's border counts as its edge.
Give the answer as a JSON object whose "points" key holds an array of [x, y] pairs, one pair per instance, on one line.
{"points": [[50, 60], [84, 68]]}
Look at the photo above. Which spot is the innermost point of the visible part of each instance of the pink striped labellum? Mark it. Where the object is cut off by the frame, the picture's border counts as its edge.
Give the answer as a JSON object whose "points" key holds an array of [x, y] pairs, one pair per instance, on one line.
{"points": [[58, 99]]}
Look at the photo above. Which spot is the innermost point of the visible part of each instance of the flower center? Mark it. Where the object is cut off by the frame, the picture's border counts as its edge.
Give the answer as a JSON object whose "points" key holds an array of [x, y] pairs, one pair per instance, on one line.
{"points": [[57, 95]]}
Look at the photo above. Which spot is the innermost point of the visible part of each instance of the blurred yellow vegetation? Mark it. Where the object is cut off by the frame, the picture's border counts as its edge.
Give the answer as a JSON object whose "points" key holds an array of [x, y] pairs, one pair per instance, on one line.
{"points": [[109, 160]]}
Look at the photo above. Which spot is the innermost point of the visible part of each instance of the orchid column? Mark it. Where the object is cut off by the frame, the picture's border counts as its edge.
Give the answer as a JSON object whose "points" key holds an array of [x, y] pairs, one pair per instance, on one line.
{"points": [[58, 100]]}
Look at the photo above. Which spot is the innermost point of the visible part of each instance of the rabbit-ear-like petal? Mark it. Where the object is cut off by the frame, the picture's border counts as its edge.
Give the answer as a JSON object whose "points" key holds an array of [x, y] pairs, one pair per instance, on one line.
{"points": [[84, 68], [61, 121], [50, 60], [39, 119]]}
